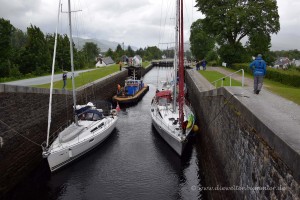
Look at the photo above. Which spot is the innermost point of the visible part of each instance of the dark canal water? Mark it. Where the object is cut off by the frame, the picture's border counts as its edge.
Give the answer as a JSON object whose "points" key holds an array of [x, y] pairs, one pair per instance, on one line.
{"points": [[133, 163]]}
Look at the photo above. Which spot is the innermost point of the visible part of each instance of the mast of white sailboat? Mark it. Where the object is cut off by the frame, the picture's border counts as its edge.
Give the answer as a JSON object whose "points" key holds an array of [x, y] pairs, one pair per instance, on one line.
{"points": [[176, 56], [72, 62], [181, 67], [52, 75]]}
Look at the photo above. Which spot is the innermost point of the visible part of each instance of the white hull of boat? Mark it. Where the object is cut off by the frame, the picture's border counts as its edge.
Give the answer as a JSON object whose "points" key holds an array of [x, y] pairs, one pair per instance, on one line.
{"points": [[65, 153], [177, 145]]}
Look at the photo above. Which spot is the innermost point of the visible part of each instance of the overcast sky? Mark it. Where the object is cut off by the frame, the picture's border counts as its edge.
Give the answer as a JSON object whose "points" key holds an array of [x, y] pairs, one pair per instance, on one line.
{"points": [[138, 23]]}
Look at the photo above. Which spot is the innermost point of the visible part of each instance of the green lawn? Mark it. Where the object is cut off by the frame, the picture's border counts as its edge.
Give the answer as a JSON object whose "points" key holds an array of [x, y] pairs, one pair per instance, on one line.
{"points": [[84, 78], [214, 75], [146, 64], [285, 91]]}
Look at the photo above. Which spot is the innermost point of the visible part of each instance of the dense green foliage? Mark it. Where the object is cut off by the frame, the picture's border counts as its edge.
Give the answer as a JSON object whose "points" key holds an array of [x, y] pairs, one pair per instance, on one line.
{"points": [[5, 47], [233, 20], [201, 42], [25, 55], [90, 50], [36, 56]]}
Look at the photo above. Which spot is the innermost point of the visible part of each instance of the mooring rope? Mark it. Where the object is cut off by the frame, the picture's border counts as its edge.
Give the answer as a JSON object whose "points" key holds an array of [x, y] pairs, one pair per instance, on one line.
{"points": [[33, 142]]}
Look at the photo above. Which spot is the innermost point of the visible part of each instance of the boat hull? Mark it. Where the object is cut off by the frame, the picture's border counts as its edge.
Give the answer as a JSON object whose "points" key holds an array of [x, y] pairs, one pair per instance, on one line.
{"points": [[131, 99], [177, 145], [62, 157]]}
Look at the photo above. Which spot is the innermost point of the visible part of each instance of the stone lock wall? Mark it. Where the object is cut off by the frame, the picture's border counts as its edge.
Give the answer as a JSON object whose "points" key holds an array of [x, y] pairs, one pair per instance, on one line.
{"points": [[24, 116], [234, 154]]}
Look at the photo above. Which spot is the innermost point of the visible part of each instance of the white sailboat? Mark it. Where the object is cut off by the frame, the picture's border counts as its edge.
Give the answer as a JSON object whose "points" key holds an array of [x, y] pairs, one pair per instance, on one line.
{"points": [[90, 128], [172, 116]]}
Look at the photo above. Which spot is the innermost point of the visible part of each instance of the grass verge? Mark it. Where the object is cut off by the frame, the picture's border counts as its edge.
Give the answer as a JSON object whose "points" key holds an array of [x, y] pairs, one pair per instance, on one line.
{"points": [[84, 78], [214, 75]]}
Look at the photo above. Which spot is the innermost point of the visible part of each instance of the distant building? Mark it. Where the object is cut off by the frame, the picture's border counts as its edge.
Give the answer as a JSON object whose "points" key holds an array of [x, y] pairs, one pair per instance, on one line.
{"points": [[282, 63], [104, 61], [137, 60], [124, 59], [296, 63]]}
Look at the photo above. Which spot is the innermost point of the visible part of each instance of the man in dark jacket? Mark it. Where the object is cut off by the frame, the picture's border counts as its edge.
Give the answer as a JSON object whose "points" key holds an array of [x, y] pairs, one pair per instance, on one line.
{"points": [[64, 77], [259, 69]]}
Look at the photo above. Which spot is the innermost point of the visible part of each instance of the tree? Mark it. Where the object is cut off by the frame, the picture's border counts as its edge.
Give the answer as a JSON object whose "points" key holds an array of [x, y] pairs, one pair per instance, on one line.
{"points": [[109, 53], [232, 20], [5, 47], [152, 53], [169, 53], [201, 42], [188, 55], [130, 51], [36, 57], [259, 43], [118, 53], [91, 51], [140, 52]]}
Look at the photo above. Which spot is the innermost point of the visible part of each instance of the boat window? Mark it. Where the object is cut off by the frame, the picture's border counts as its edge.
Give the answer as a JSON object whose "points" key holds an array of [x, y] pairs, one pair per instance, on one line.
{"points": [[162, 101], [89, 116], [96, 117]]}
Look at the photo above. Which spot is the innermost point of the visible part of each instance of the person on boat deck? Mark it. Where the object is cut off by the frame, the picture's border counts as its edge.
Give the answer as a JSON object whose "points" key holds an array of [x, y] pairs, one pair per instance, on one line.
{"points": [[64, 77], [118, 89]]}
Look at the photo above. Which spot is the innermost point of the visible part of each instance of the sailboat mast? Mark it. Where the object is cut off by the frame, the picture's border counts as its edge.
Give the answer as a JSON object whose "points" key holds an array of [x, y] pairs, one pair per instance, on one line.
{"points": [[181, 67], [72, 62], [52, 75], [176, 56]]}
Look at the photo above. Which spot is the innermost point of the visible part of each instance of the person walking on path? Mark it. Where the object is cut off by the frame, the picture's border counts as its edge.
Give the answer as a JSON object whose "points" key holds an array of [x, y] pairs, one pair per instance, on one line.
{"points": [[197, 65], [64, 77], [203, 63], [258, 67]]}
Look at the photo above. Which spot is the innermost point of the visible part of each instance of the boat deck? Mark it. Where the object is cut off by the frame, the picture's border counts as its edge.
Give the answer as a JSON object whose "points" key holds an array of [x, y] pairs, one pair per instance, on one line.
{"points": [[131, 99]]}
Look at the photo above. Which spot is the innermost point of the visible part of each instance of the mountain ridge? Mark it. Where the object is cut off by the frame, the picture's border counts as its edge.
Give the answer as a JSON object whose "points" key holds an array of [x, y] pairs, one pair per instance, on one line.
{"points": [[104, 45]]}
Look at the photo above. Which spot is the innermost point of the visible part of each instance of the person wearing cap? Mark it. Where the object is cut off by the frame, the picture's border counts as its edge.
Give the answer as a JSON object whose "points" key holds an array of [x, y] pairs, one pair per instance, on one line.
{"points": [[259, 69]]}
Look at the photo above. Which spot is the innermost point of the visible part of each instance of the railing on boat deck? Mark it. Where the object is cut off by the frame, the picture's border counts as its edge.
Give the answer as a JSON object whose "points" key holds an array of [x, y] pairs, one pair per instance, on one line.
{"points": [[229, 75]]}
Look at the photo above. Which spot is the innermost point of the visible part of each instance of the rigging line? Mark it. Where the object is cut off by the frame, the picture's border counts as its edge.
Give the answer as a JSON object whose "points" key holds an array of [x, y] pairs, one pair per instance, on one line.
{"points": [[221, 109], [167, 13], [19, 133], [193, 10], [187, 13], [67, 106], [160, 21]]}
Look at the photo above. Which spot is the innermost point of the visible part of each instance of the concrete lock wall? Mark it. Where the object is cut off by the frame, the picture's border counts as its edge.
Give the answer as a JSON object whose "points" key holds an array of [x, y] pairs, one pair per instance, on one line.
{"points": [[24, 112], [233, 150]]}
